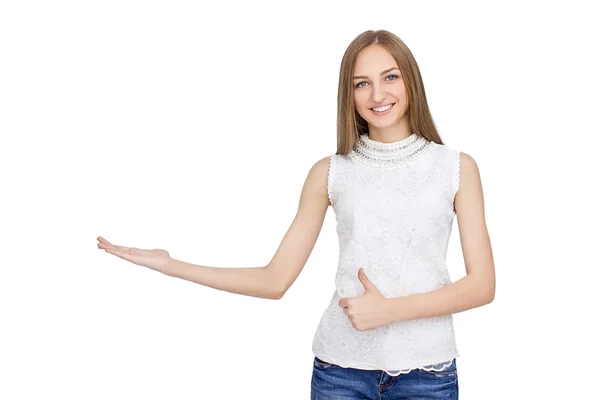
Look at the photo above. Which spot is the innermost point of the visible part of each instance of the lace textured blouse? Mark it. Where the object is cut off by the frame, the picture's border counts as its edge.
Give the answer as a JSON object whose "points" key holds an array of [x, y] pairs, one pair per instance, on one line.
{"points": [[394, 208]]}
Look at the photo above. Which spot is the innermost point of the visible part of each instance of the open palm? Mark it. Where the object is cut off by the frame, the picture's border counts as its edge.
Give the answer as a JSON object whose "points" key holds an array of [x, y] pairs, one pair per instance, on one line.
{"points": [[156, 259]]}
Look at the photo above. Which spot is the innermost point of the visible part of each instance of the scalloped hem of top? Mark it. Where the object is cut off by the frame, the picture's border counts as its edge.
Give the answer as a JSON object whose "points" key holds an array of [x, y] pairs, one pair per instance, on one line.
{"points": [[396, 372]]}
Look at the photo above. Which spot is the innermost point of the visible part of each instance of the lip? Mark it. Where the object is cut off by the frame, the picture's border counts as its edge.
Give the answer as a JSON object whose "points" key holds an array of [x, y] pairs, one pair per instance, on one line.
{"points": [[383, 112]]}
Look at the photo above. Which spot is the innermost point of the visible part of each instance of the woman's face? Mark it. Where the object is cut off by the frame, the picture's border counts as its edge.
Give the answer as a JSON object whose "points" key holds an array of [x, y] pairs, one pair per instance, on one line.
{"points": [[378, 83]]}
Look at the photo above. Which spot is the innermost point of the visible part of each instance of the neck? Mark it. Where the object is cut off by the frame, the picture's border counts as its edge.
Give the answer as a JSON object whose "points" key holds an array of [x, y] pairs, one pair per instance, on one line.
{"points": [[375, 154]]}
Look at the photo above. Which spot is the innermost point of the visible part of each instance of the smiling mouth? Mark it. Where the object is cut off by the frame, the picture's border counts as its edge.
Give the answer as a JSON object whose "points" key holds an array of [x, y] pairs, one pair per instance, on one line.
{"points": [[382, 109]]}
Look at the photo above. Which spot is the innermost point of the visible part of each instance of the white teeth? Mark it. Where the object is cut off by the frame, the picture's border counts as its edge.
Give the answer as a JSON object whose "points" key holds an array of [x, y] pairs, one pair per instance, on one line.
{"points": [[383, 108]]}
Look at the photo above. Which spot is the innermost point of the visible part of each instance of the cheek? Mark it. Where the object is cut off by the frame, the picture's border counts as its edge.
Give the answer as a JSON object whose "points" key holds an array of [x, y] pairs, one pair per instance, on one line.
{"points": [[401, 93], [359, 101], [360, 109]]}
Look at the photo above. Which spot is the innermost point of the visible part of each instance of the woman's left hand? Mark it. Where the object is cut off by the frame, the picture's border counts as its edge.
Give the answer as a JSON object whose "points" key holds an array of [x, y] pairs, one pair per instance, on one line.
{"points": [[369, 310]]}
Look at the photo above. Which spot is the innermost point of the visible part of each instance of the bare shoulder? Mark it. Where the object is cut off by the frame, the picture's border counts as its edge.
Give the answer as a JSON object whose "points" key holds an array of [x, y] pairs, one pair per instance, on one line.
{"points": [[467, 161], [316, 181], [321, 166], [469, 171], [470, 191]]}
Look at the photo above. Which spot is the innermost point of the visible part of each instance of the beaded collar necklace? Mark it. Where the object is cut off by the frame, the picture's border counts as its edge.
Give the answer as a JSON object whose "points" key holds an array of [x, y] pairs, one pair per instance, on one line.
{"points": [[388, 155]]}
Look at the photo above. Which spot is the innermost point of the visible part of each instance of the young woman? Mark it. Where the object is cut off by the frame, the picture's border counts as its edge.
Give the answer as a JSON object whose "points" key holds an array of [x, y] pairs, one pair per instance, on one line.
{"points": [[395, 189]]}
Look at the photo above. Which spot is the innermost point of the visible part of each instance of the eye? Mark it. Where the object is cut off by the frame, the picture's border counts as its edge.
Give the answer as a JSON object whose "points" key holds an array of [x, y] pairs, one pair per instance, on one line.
{"points": [[358, 85]]}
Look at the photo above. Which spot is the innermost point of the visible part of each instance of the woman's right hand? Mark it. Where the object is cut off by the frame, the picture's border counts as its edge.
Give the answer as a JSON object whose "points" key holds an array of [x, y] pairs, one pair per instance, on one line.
{"points": [[156, 259]]}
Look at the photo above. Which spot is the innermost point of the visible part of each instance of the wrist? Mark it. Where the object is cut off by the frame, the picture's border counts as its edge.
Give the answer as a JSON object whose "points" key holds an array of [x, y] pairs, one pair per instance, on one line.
{"points": [[397, 308], [171, 266]]}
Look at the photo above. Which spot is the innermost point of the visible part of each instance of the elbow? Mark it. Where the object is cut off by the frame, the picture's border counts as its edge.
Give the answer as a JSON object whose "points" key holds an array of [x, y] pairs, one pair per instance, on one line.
{"points": [[485, 287], [484, 292], [278, 293], [489, 294], [274, 292], [492, 291]]}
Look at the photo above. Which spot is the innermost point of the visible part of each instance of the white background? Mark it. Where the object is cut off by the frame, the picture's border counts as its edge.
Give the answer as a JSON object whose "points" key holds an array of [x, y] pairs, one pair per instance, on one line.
{"points": [[192, 127]]}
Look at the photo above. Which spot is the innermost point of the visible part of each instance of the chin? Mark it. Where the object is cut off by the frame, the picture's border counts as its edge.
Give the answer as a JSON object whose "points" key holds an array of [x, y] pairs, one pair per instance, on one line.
{"points": [[383, 125]]}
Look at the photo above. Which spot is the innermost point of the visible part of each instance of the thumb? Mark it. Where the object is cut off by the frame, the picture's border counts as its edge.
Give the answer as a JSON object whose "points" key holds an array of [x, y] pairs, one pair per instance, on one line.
{"points": [[365, 281]]}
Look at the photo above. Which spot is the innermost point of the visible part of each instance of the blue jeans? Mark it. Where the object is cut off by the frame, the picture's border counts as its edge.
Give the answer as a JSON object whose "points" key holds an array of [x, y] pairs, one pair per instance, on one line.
{"points": [[330, 381]]}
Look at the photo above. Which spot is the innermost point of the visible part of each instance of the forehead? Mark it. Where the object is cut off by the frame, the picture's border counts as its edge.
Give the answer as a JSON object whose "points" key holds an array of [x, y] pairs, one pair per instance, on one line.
{"points": [[374, 59]]}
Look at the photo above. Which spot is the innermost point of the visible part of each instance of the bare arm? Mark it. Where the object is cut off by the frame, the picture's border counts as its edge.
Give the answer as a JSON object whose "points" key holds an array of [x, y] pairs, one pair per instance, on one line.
{"points": [[269, 282], [300, 239], [273, 280], [248, 281]]}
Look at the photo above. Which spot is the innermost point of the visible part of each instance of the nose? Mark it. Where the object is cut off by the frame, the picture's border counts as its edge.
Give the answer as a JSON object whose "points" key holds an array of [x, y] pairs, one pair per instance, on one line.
{"points": [[378, 94]]}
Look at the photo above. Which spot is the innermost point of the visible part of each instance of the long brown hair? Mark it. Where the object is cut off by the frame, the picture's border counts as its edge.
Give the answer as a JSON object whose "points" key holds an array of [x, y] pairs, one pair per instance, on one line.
{"points": [[349, 123]]}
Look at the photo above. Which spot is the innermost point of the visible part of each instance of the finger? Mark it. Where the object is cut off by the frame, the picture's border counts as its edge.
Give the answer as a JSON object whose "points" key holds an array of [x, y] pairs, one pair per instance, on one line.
{"points": [[105, 245], [120, 253], [102, 240], [345, 302]]}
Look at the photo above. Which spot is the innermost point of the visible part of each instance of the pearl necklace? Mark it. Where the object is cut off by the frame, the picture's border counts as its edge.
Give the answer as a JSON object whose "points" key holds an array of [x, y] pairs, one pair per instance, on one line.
{"points": [[376, 154]]}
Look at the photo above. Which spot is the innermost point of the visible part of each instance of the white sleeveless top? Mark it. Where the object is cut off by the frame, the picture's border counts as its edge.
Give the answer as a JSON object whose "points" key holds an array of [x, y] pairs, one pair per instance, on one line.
{"points": [[394, 207]]}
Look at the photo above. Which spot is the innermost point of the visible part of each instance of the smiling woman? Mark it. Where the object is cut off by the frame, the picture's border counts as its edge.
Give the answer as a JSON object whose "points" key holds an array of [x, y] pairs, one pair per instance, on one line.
{"points": [[381, 92], [385, 86], [395, 189]]}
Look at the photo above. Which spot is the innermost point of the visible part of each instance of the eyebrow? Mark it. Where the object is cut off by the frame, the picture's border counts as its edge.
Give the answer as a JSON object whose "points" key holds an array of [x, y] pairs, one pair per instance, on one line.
{"points": [[384, 72]]}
